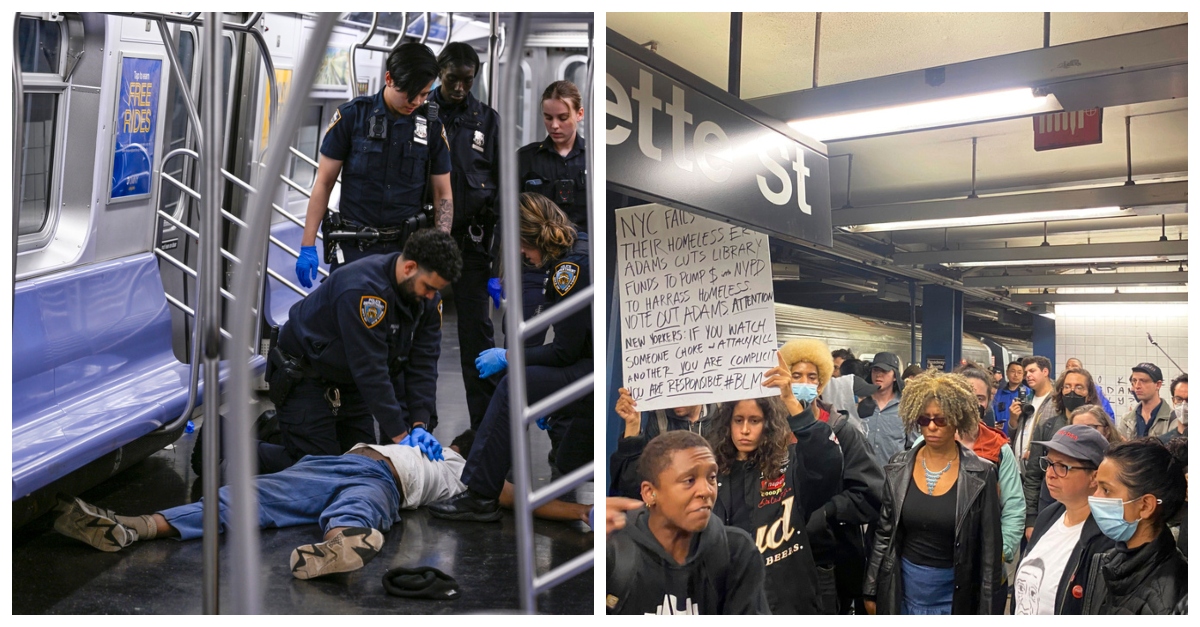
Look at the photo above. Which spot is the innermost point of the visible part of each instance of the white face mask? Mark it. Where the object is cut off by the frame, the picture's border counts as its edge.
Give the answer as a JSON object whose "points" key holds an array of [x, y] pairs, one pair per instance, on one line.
{"points": [[1181, 412]]}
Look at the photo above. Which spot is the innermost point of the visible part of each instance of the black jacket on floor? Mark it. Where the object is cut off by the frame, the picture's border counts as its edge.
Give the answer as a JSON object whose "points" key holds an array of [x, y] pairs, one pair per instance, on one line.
{"points": [[977, 543], [1074, 583], [1150, 579], [723, 572]]}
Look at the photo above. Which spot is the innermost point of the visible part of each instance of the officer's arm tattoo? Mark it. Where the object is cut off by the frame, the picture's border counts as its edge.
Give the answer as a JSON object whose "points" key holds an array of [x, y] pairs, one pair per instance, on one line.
{"points": [[445, 214]]}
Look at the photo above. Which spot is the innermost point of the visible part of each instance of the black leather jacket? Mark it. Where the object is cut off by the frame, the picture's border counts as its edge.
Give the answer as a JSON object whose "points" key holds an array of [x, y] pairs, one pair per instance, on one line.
{"points": [[1150, 579], [977, 543]]}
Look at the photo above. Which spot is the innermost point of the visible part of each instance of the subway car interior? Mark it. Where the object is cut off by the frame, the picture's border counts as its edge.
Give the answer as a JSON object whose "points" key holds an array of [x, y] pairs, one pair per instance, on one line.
{"points": [[1017, 181], [133, 284]]}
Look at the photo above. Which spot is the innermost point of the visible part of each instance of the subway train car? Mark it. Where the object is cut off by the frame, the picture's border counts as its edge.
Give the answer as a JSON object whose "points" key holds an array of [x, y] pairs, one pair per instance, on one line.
{"points": [[121, 282], [865, 336]]}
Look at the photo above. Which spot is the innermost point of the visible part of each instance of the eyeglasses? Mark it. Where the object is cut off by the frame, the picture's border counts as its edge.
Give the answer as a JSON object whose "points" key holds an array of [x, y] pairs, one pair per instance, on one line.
{"points": [[1060, 470], [1178, 399], [925, 420]]}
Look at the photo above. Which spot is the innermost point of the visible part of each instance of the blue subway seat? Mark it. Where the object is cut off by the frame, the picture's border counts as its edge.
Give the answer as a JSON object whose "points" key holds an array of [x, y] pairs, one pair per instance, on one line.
{"points": [[93, 368], [280, 297]]}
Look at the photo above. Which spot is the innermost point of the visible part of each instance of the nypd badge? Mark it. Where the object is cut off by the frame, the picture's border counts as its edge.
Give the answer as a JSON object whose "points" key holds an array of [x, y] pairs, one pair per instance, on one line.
{"points": [[477, 141], [421, 132], [372, 310], [565, 276]]}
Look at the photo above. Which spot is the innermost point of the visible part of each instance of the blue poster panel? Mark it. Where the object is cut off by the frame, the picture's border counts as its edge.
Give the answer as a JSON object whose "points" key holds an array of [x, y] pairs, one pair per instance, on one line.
{"points": [[136, 124]]}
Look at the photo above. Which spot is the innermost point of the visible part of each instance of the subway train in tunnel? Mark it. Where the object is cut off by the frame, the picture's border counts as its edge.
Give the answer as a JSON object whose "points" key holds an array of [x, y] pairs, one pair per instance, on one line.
{"points": [[121, 285], [864, 336]]}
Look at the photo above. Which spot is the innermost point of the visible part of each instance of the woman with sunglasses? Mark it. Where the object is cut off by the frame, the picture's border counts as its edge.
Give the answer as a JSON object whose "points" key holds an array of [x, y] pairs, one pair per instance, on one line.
{"points": [[937, 549], [1141, 485], [1053, 575], [1095, 417]]}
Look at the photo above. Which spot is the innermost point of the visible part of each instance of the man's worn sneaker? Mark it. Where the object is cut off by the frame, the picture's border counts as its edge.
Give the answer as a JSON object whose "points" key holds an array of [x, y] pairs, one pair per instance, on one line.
{"points": [[349, 550], [467, 506], [93, 525]]}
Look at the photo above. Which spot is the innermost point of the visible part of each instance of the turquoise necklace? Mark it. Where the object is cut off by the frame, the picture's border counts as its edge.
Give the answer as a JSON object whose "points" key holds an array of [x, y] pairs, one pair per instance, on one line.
{"points": [[931, 477]]}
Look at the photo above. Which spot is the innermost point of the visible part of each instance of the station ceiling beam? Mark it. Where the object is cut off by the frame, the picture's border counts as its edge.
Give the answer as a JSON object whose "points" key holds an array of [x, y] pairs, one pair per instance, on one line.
{"points": [[1073, 280], [1123, 69], [1144, 194], [1167, 297], [1030, 254]]}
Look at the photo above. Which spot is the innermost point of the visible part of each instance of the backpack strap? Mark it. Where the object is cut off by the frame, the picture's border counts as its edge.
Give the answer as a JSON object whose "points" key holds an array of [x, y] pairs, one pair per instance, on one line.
{"points": [[715, 567], [622, 562]]}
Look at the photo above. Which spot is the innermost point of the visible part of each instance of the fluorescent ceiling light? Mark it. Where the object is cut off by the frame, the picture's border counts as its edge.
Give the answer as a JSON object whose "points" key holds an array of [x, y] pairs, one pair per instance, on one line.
{"points": [[1009, 218], [1124, 289], [1063, 262], [924, 115]]}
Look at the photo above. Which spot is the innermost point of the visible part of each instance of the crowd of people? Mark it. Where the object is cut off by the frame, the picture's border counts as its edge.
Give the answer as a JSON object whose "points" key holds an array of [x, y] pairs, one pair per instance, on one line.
{"points": [[354, 372], [860, 486]]}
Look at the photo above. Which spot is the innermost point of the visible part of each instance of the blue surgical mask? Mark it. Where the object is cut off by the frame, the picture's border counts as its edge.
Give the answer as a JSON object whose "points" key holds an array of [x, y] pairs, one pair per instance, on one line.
{"points": [[1110, 517], [804, 392]]}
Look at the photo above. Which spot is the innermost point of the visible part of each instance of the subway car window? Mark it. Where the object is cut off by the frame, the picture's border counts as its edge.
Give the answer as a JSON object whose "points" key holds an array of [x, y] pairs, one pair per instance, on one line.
{"points": [[40, 43], [307, 142], [177, 131], [41, 110]]}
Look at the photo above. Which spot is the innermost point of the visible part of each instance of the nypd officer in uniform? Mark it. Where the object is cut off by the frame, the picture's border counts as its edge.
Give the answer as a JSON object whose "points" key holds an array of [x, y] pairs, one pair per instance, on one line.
{"points": [[473, 130], [550, 243], [389, 145], [360, 353]]}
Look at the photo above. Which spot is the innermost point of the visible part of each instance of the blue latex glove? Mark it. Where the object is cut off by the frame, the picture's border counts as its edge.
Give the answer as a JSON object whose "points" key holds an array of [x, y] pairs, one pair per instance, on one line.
{"points": [[491, 361], [543, 423], [496, 291], [422, 439], [306, 265]]}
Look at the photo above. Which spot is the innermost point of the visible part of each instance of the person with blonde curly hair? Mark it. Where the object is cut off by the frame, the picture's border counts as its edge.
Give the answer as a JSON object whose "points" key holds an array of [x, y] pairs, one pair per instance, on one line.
{"points": [[772, 478], [937, 548], [836, 529]]}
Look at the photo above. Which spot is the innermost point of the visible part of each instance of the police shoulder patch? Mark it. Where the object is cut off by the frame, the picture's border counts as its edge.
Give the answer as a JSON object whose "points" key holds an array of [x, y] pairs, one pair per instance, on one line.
{"points": [[565, 276], [372, 309], [337, 115]]}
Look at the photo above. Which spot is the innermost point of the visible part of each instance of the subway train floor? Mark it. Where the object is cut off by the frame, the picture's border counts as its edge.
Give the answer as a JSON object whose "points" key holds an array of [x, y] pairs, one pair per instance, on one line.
{"points": [[53, 574]]}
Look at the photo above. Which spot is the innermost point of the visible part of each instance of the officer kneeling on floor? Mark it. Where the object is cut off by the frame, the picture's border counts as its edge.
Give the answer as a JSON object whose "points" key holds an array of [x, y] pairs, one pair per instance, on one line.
{"points": [[357, 359]]}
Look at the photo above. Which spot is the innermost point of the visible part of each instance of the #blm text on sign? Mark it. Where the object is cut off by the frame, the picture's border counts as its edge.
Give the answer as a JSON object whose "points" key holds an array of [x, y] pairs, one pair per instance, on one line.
{"points": [[697, 308]]}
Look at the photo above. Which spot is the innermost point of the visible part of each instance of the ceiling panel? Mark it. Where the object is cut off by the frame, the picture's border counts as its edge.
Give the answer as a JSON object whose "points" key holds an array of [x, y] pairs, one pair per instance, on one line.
{"points": [[1066, 28], [698, 42]]}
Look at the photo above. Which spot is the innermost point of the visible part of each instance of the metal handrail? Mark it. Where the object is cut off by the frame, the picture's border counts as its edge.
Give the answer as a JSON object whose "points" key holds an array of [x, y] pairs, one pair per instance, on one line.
{"points": [[18, 141], [425, 27], [246, 284]]}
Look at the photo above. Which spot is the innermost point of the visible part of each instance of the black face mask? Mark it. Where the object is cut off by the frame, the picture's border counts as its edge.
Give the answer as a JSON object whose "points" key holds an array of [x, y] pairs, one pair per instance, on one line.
{"points": [[982, 411], [1073, 401]]}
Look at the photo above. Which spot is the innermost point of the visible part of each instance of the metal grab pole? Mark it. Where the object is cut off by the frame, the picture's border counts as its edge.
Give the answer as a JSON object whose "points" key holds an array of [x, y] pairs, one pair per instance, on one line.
{"points": [[19, 140], [247, 283], [510, 231], [493, 44], [208, 303]]}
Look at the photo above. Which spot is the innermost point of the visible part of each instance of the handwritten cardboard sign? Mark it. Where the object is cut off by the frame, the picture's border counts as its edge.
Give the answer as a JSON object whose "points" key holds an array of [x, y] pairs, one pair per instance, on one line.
{"points": [[697, 308]]}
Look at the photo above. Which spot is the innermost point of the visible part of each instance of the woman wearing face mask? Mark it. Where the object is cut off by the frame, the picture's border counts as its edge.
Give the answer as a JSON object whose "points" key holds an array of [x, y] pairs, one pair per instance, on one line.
{"points": [[769, 480], [1140, 485], [835, 529], [1053, 575], [1073, 389], [938, 548], [1095, 417]]}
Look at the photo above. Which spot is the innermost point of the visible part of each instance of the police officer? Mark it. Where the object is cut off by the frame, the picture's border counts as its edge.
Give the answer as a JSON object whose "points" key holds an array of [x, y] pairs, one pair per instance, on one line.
{"points": [[556, 167], [473, 130], [390, 145], [361, 350], [549, 242]]}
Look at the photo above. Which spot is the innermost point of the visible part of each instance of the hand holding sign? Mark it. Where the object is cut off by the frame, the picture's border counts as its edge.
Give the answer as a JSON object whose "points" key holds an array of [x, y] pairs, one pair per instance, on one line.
{"points": [[780, 377], [627, 410]]}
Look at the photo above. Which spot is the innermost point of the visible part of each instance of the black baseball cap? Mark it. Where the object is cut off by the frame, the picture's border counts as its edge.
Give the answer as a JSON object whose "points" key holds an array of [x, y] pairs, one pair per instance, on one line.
{"points": [[887, 361], [1150, 369], [1082, 442]]}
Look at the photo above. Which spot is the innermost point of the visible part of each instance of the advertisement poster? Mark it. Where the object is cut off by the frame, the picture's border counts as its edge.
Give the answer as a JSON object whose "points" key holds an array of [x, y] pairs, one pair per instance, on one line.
{"points": [[136, 128]]}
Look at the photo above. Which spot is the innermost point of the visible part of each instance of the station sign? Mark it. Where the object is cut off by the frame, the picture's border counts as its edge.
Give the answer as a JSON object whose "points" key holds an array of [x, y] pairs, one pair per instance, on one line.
{"points": [[678, 140], [1067, 128]]}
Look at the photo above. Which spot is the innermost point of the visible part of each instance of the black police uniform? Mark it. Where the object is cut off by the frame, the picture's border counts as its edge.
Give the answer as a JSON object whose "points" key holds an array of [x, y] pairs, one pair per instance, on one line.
{"points": [[355, 334], [561, 179], [548, 368], [473, 130], [385, 159]]}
